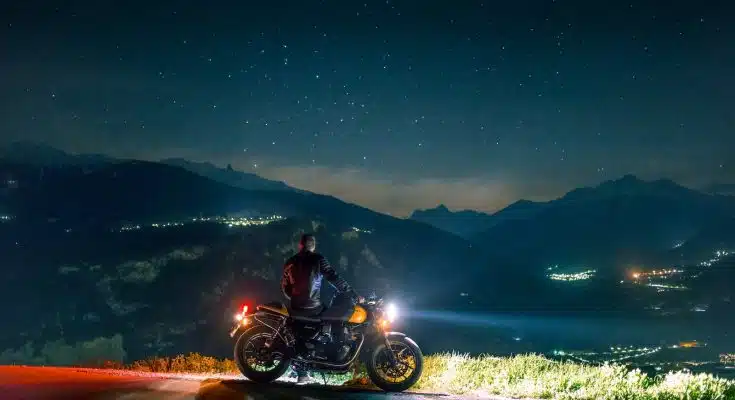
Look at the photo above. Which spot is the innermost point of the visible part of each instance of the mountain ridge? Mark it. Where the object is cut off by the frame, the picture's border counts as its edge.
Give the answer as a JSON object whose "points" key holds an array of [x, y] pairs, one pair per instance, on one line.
{"points": [[39, 154], [229, 175], [621, 219], [463, 223]]}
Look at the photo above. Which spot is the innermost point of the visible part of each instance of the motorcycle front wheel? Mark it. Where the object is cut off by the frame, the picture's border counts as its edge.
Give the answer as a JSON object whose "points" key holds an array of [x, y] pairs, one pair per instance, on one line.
{"points": [[258, 362], [398, 376]]}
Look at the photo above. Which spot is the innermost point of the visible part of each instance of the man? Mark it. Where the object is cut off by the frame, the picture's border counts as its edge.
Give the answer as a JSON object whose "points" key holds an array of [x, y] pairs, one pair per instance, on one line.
{"points": [[301, 284]]}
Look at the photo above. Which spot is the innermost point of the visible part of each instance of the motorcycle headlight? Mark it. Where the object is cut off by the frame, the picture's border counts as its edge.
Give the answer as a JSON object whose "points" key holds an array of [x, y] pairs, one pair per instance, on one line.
{"points": [[391, 312]]}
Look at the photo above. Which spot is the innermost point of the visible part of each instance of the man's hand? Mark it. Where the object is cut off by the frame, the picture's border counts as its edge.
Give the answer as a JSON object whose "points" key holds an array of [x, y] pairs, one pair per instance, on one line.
{"points": [[357, 298]]}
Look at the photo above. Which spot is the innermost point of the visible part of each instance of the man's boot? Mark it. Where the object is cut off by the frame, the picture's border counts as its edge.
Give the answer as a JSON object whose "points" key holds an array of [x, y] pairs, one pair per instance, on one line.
{"points": [[302, 377]]}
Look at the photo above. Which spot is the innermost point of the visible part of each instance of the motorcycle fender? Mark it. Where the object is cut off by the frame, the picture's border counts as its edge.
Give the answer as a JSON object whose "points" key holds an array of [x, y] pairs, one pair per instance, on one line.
{"points": [[376, 340], [242, 329], [401, 335]]}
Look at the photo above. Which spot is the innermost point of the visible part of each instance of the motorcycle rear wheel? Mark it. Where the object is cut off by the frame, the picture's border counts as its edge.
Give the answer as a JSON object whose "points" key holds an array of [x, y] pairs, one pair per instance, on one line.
{"points": [[402, 376], [249, 350]]}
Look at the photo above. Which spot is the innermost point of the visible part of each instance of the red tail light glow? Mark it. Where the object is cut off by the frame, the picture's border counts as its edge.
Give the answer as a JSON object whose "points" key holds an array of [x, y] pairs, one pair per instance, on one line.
{"points": [[244, 309]]}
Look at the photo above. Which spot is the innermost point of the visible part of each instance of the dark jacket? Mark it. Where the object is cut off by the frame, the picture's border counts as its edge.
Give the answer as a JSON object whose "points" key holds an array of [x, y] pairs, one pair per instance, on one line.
{"points": [[302, 279]]}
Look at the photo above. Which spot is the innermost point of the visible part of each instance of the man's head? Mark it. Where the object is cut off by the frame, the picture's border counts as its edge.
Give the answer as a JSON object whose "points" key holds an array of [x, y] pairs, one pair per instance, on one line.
{"points": [[307, 243]]}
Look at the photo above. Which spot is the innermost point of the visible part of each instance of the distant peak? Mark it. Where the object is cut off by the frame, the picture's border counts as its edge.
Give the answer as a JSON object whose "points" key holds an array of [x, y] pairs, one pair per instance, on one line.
{"points": [[523, 202], [628, 178], [440, 209]]}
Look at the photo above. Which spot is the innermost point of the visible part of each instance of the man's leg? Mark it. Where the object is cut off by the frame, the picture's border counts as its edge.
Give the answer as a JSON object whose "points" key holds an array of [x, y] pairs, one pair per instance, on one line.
{"points": [[343, 306], [302, 377], [340, 347]]}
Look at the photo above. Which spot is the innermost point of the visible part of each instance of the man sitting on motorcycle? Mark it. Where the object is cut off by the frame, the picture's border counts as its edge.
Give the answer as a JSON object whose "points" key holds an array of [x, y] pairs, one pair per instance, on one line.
{"points": [[301, 284]]}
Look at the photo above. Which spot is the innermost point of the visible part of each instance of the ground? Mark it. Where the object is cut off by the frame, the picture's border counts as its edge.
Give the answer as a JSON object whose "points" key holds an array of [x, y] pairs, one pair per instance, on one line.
{"points": [[18, 382]]}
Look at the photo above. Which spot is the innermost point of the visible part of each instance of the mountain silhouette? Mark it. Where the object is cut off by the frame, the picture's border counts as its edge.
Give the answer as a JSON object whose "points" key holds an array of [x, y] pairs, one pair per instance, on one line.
{"points": [[27, 152], [609, 226], [228, 175], [38, 154], [90, 279], [141, 191], [464, 223]]}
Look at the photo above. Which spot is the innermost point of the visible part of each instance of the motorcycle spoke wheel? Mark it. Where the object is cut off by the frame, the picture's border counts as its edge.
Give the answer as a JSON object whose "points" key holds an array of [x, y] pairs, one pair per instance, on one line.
{"points": [[258, 356], [404, 367]]}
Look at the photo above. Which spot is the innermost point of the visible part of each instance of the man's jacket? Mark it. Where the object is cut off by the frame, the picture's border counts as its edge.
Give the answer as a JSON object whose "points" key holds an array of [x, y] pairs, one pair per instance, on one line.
{"points": [[302, 279]]}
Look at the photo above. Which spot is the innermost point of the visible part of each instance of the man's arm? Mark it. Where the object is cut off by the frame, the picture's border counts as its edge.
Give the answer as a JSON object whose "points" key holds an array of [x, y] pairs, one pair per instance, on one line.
{"points": [[333, 277], [287, 279]]}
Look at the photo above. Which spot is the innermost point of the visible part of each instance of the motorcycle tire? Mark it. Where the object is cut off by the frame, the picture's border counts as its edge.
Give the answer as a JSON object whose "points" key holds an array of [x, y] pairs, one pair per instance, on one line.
{"points": [[246, 369], [387, 386]]}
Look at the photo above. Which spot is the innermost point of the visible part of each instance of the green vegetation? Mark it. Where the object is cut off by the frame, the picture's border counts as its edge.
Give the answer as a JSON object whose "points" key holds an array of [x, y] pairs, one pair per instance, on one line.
{"points": [[192, 363], [522, 376], [533, 376], [98, 352]]}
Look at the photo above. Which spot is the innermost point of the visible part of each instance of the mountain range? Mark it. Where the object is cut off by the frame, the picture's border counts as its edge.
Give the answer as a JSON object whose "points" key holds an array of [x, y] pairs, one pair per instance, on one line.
{"points": [[614, 224], [64, 254], [37, 154], [617, 222], [463, 223], [228, 175]]}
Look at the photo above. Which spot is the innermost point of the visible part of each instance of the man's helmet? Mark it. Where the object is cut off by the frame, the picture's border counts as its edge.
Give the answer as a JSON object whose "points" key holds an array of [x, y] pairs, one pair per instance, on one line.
{"points": [[307, 242]]}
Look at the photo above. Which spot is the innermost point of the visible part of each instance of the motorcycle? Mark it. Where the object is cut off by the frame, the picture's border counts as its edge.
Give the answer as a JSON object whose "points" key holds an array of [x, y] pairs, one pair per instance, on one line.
{"points": [[272, 338]]}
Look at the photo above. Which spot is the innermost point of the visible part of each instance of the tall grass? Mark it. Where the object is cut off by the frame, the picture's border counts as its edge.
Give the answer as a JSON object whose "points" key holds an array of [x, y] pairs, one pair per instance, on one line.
{"points": [[532, 376], [522, 376]]}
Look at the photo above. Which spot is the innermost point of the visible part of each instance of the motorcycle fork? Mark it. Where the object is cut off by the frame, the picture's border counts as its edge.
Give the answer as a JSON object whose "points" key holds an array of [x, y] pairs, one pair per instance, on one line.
{"points": [[393, 358]]}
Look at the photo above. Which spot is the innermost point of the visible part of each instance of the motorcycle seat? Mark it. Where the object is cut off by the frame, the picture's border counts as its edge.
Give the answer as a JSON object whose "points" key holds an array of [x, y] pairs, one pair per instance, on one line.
{"points": [[305, 314]]}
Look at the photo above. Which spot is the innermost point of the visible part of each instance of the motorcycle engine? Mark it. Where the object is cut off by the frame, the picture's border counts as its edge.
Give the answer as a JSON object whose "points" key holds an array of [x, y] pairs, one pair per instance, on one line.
{"points": [[325, 335]]}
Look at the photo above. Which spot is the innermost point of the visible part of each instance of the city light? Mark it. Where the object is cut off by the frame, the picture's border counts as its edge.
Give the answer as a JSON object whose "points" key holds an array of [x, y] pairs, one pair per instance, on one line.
{"points": [[229, 221], [616, 354], [690, 345], [5, 218], [718, 255], [656, 273], [663, 287], [658, 278], [573, 277]]}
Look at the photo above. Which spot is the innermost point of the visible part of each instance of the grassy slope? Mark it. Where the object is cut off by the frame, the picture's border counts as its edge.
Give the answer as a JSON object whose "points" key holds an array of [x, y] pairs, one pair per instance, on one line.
{"points": [[522, 376]]}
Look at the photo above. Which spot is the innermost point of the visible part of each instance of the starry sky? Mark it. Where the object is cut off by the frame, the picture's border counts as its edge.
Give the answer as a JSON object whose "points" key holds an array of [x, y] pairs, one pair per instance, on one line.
{"points": [[394, 105]]}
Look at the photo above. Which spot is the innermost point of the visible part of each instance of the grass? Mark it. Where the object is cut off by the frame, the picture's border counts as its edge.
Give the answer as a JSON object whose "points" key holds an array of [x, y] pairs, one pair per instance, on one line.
{"points": [[533, 376], [522, 376]]}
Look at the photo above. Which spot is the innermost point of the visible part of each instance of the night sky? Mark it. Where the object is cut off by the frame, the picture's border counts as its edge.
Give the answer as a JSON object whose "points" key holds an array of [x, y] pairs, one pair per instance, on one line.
{"points": [[394, 105]]}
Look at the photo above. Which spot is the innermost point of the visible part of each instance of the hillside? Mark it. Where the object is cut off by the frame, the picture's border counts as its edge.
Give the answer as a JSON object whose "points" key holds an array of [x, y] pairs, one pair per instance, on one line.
{"points": [[139, 191], [42, 155], [463, 223], [65, 241], [174, 289], [716, 236], [37, 154], [228, 176], [725, 189], [113, 249], [608, 227]]}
